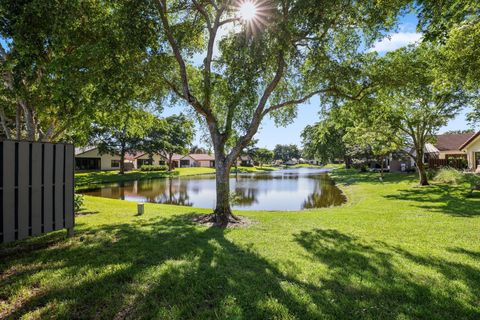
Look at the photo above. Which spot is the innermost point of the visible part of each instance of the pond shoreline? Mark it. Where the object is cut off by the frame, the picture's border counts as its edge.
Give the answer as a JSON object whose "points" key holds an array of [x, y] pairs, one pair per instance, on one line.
{"points": [[288, 189]]}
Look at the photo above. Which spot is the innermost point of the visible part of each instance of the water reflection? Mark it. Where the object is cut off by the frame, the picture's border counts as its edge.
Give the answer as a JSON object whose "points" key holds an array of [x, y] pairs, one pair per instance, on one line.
{"points": [[278, 190]]}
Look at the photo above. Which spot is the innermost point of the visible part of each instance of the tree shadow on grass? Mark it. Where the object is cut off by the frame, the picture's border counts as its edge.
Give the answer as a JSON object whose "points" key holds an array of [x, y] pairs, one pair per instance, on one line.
{"points": [[351, 177], [372, 281], [171, 268], [452, 200]]}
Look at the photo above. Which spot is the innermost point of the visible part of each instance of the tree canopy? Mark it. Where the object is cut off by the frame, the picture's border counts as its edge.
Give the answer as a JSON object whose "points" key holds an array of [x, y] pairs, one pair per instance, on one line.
{"points": [[62, 61]]}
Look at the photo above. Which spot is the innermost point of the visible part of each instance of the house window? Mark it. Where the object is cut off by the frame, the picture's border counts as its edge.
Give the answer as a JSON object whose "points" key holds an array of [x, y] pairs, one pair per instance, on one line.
{"points": [[161, 162], [87, 164], [477, 159], [184, 163], [144, 162], [115, 164]]}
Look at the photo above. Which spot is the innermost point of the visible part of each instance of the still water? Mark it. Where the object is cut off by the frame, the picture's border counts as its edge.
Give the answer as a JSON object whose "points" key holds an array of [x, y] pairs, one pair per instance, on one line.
{"points": [[289, 189]]}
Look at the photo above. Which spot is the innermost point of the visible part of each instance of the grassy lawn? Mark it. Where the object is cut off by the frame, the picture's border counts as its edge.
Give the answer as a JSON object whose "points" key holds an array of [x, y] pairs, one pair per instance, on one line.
{"points": [[84, 179], [393, 252], [255, 169]]}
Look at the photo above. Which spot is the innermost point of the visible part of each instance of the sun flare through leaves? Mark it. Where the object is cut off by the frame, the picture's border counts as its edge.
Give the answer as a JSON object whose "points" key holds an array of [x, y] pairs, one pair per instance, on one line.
{"points": [[253, 14]]}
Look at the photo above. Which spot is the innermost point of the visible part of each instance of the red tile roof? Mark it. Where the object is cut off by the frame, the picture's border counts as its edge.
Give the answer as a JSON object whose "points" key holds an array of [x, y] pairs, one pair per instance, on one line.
{"points": [[447, 142]]}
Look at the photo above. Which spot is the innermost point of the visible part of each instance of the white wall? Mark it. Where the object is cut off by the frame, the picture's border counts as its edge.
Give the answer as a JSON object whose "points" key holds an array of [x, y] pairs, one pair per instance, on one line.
{"points": [[203, 163], [105, 159], [471, 149], [156, 160]]}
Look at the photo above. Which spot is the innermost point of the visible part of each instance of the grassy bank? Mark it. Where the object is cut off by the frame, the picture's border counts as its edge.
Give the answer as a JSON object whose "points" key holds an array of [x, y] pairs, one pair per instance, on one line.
{"points": [[85, 179], [254, 169], [394, 251]]}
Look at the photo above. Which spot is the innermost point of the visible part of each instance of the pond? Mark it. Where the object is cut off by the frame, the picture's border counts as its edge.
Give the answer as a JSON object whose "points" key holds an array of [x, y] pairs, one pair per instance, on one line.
{"points": [[287, 189]]}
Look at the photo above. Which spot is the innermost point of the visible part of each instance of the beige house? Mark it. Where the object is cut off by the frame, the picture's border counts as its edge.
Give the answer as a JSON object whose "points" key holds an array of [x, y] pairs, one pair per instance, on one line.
{"points": [[198, 160], [448, 146], [89, 158], [141, 158], [471, 148]]}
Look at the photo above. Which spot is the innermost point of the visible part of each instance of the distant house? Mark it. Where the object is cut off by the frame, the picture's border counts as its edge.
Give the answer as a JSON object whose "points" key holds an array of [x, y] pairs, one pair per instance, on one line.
{"points": [[471, 148], [89, 158], [141, 158], [399, 161], [198, 160], [292, 162], [245, 161], [448, 146]]}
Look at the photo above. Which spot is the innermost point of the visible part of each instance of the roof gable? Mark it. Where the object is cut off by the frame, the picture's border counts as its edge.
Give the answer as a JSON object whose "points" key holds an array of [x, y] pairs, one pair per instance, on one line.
{"points": [[201, 157], [470, 140]]}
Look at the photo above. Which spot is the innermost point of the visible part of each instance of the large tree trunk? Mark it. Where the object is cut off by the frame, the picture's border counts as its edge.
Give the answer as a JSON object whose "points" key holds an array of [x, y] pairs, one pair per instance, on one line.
{"points": [[122, 161], [382, 159], [170, 156], [422, 172], [223, 212], [18, 130], [3, 120], [348, 162]]}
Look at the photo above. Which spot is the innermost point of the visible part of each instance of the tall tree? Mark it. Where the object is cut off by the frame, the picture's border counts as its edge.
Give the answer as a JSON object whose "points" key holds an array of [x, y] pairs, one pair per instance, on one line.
{"points": [[375, 130], [410, 99], [62, 61], [456, 25], [286, 152], [324, 141], [262, 156], [269, 61], [122, 132], [172, 135]]}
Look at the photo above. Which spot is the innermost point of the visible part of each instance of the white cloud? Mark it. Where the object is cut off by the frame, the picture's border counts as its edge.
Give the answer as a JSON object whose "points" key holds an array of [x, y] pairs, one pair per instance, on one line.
{"points": [[395, 41]]}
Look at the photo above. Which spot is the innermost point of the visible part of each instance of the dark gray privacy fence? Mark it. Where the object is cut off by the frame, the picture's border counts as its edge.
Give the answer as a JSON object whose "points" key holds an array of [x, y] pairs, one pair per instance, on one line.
{"points": [[36, 188]]}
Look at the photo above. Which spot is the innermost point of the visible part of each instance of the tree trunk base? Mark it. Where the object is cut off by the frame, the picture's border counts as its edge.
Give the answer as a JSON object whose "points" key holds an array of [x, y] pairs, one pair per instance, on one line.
{"points": [[223, 221]]}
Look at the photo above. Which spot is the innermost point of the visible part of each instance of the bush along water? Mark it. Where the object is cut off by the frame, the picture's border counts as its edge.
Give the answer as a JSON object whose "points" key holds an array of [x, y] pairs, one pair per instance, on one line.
{"points": [[153, 168]]}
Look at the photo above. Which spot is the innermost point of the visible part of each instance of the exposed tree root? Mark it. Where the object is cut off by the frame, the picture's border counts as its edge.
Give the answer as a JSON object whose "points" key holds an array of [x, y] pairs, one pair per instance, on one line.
{"points": [[215, 220]]}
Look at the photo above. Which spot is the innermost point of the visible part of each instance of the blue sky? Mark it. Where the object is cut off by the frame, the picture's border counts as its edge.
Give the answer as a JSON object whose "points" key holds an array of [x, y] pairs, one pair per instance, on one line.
{"points": [[269, 135]]}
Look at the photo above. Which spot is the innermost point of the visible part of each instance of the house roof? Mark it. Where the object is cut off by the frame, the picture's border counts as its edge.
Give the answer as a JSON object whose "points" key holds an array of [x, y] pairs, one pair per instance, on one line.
{"points": [[470, 140], [176, 157], [82, 150], [447, 142], [133, 156], [201, 157], [430, 148]]}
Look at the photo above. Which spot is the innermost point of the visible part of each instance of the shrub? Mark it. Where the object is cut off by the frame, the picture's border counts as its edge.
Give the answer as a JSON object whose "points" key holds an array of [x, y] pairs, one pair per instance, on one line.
{"points": [[473, 180], [449, 176], [78, 202], [153, 168]]}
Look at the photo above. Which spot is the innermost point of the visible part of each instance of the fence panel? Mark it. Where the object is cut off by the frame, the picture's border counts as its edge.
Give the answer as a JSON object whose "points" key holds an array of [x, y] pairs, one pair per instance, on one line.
{"points": [[36, 188], [435, 163], [8, 194]]}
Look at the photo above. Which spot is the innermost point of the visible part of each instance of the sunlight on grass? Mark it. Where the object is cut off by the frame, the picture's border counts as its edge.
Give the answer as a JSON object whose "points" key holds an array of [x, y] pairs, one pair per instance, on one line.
{"points": [[395, 252]]}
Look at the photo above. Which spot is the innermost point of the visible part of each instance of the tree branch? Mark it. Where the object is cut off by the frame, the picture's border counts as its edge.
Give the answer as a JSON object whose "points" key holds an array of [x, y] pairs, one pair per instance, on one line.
{"points": [[162, 8]]}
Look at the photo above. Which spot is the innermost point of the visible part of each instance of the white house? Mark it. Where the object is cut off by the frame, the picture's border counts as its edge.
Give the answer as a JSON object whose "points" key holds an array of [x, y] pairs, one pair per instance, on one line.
{"points": [[141, 158], [89, 158], [471, 147]]}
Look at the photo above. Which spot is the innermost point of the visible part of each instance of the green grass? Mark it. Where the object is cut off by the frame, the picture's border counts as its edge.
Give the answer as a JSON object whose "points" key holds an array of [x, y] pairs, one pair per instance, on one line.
{"points": [[334, 166], [304, 165], [85, 179], [254, 169], [394, 251]]}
